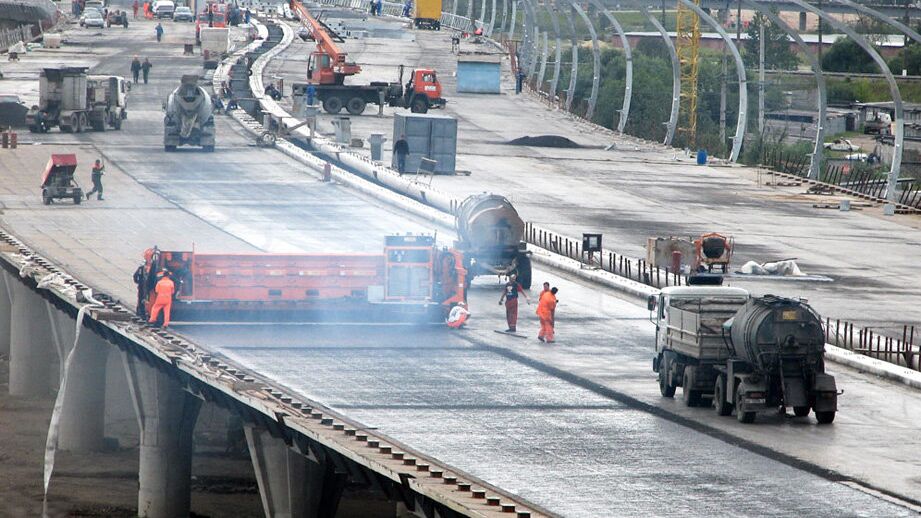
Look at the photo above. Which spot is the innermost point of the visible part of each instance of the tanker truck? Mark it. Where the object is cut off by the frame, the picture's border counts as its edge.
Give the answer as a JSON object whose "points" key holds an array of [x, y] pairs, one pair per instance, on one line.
{"points": [[490, 233], [745, 354], [189, 119]]}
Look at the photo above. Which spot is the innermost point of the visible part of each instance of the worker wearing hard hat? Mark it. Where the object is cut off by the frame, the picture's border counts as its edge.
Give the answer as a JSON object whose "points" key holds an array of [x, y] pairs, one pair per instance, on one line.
{"points": [[458, 316], [164, 290]]}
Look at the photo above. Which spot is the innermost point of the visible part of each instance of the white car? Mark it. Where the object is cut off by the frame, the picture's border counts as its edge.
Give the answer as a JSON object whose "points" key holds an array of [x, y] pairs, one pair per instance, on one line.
{"points": [[92, 19], [183, 14], [841, 144], [164, 8], [859, 157]]}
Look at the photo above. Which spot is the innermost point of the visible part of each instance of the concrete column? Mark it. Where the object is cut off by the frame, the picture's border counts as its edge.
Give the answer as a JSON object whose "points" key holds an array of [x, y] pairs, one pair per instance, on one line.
{"points": [[166, 419], [30, 342], [5, 308], [82, 425], [290, 485]]}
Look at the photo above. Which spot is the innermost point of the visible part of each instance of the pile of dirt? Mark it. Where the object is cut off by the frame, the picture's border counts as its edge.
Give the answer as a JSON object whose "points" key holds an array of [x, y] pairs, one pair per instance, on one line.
{"points": [[544, 141]]}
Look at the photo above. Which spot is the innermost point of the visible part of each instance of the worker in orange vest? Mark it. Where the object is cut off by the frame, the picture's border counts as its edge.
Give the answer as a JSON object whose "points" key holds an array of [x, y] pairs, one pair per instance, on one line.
{"points": [[458, 316], [546, 313], [164, 290]]}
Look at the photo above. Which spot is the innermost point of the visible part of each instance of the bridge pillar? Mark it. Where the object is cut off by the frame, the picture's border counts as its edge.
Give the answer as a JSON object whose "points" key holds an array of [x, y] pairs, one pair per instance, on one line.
{"points": [[5, 308], [82, 425], [166, 415], [30, 342], [290, 484]]}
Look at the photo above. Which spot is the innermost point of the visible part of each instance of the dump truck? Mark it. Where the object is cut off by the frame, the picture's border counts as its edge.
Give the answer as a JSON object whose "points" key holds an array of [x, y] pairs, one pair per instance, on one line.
{"points": [[413, 281], [189, 118], [73, 101], [490, 234], [744, 354], [427, 14]]}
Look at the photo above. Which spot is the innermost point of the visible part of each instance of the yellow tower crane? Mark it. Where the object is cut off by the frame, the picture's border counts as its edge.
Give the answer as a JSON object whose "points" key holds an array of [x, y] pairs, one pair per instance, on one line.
{"points": [[687, 45]]}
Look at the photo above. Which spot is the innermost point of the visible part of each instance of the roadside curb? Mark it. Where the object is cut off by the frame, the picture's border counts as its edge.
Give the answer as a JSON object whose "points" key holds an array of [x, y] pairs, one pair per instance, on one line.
{"points": [[635, 290]]}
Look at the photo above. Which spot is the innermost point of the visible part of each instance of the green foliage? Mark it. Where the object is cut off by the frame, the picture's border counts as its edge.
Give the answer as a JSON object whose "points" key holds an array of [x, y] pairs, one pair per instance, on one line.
{"points": [[777, 53], [913, 52], [846, 56]]}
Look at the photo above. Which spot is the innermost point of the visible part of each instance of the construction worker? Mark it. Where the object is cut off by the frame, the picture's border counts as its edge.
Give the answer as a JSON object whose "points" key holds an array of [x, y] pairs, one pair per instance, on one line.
{"points": [[311, 94], [510, 299], [96, 177], [139, 279], [135, 69], [458, 316], [519, 80], [164, 290], [400, 150], [546, 312], [135, 7], [145, 69], [159, 29]]}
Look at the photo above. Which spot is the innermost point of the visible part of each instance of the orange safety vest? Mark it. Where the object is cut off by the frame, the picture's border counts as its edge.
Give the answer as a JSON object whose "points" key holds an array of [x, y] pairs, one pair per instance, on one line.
{"points": [[546, 305], [165, 289]]}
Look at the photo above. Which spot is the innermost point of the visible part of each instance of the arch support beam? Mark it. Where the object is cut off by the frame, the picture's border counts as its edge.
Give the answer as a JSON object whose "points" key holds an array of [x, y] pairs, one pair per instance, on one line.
{"points": [[672, 123], [628, 57], [574, 70], [596, 59]]}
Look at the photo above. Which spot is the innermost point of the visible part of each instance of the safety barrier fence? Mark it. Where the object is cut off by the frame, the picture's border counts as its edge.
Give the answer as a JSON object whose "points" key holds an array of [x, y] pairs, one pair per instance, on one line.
{"points": [[10, 37], [637, 270], [865, 341]]}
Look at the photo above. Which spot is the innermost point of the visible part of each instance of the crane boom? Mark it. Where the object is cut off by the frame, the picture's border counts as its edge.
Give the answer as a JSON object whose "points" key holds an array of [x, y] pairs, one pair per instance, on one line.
{"points": [[328, 65]]}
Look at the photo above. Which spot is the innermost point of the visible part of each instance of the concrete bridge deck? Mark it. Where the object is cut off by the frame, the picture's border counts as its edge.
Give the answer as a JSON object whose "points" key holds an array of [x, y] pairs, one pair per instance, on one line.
{"points": [[559, 426]]}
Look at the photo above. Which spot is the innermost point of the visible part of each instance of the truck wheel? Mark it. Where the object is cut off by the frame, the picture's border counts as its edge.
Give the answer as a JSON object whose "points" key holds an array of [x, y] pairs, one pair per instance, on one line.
{"points": [[801, 411], [208, 149], [664, 387], [720, 404], [825, 417], [168, 148], [743, 417], [117, 122], [691, 397], [77, 123], [46, 197], [332, 104], [356, 106], [419, 105], [524, 271]]}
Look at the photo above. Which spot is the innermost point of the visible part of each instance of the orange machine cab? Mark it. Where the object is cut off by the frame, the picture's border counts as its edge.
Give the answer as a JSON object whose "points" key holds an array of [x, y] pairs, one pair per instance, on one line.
{"points": [[425, 81]]}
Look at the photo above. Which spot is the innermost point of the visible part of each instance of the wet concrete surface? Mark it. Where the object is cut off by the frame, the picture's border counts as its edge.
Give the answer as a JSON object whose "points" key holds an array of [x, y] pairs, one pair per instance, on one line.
{"points": [[559, 445]]}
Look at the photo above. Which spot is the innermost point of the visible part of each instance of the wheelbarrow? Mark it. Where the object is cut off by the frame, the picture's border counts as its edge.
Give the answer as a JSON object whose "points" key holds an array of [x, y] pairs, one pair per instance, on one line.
{"points": [[58, 180]]}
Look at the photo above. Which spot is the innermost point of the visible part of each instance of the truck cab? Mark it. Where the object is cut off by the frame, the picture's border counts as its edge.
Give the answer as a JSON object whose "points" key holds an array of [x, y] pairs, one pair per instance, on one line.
{"points": [[423, 91]]}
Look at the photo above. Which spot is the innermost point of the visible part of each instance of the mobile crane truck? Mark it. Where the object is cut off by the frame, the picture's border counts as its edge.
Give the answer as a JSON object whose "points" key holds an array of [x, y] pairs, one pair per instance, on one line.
{"points": [[328, 67], [750, 354]]}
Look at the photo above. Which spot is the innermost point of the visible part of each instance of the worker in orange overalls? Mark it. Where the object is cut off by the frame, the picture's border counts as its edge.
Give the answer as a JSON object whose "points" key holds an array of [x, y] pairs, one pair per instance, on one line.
{"points": [[546, 313], [164, 290], [458, 316]]}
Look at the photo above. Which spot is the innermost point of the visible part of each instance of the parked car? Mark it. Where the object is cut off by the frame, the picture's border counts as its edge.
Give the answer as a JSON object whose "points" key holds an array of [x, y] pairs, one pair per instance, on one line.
{"points": [[183, 14], [841, 144], [92, 19], [89, 11], [164, 8], [860, 157]]}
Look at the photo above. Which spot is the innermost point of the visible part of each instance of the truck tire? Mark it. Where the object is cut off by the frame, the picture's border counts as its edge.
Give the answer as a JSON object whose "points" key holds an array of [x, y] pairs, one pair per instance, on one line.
{"points": [[743, 417], [46, 197], [208, 149], [825, 417], [117, 123], [801, 411], [720, 404], [524, 271], [78, 121], [169, 148], [665, 388], [690, 396], [356, 106], [419, 105], [332, 104]]}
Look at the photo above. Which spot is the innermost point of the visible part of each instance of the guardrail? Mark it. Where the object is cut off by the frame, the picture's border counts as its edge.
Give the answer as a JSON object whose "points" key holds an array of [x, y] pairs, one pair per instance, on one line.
{"points": [[865, 341]]}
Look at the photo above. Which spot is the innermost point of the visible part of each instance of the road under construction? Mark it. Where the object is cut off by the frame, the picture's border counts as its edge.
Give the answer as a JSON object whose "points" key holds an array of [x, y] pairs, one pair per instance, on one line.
{"points": [[378, 419]]}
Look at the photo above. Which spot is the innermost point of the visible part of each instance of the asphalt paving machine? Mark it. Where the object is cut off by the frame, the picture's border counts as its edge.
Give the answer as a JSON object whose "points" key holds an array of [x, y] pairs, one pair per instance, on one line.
{"points": [[413, 281]]}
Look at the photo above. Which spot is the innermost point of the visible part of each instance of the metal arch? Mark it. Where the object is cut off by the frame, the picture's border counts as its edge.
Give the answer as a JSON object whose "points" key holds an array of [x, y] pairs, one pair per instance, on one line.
{"points": [[574, 73], [454, 7], [558, 51], [628, 56], [740, 68], [596, 59], [502, 26], [534, 37], [482, 14], [492, 19], [511, 28], [545, 50], [893, 89], [672, 123], [818, 150]]}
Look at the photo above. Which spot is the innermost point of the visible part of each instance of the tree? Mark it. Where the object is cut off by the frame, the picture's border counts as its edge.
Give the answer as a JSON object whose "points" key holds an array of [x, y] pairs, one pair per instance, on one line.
{"points": [[777, 52], [846, 56]]}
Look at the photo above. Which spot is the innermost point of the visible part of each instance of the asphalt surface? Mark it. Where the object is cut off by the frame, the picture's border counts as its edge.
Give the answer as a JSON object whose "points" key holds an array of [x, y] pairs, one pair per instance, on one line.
{"points": [[476, 400]]}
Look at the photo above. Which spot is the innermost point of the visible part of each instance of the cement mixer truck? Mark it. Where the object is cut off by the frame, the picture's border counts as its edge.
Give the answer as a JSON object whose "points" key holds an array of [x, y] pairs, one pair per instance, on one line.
{"points": [[745, 354], [490, 233], [189, 119]]}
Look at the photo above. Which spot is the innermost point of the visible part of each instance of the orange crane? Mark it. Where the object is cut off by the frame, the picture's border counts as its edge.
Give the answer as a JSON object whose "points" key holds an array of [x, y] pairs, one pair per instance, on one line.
{"points": [[328, 64]]}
